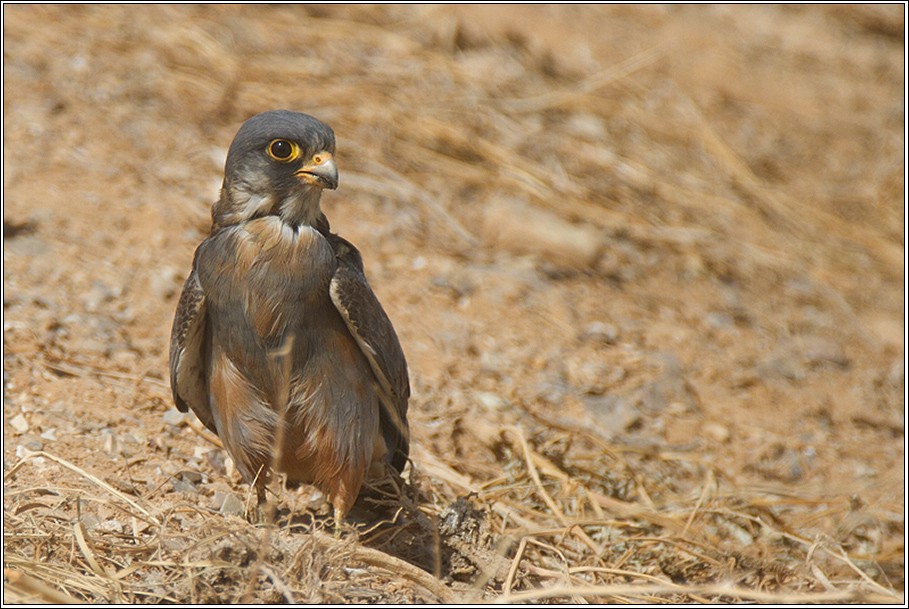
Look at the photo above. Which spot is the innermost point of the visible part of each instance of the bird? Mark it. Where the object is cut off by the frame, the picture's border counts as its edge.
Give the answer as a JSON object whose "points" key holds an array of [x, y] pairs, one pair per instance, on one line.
{"points": [[279, 344]]}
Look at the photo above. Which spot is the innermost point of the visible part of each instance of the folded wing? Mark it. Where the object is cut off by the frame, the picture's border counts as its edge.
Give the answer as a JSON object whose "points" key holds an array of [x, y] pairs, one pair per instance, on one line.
{"points": [[189, 353], [375, 335]]}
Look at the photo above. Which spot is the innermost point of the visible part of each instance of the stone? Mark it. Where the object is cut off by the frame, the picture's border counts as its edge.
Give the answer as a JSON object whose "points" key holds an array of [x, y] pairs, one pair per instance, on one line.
{"points": [[232, 506], [517, 226], [19, 423], [174, 417]]}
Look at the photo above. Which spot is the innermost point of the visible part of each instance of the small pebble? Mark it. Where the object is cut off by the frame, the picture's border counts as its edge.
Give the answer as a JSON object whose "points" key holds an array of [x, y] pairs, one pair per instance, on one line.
{"points": [[587, 375], [717, 432], [164, 282], [173, 417], [23, 451], [897, 373], [182, 486], [168, 468], [586, 125], [817, 350], [98, 294], [611, 414], [600, 331], [490, 400], [215, 458], [19, 423], [717, 320], [232, 506], [111, 446], [112, 526], [190, 476], [521, 227], [33, 443], [123, 358]]}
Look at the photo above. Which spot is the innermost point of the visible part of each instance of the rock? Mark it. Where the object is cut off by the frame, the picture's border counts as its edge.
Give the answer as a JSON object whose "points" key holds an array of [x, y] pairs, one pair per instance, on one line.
{"points": [[490, 400], [32, 442], [716, 432], [794, 358], [897, 373], [215, 458], [124, 359], [551, 391], [111, 445], [586, 125], [182, 486], [98, 294], [819, 351], [163, 282], [190, 476], [600, 331], [19, 423], [612, 414], [111, 526], [174, 417], [168, 468], [517, 226], [231, 505], [717, 320], [667, 389], [588, 376]]}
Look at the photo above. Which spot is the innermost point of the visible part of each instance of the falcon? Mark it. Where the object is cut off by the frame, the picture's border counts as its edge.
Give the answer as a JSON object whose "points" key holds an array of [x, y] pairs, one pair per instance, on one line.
{"points": [[279, 345]]}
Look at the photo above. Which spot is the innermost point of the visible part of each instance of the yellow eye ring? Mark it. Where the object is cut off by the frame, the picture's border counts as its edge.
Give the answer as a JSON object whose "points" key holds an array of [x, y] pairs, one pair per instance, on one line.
{"points": [[283, 151]]}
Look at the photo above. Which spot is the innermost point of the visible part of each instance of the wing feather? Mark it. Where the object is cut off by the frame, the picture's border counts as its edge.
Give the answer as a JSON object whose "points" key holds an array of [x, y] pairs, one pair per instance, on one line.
{"points": [[369, 325], [189, 353]]}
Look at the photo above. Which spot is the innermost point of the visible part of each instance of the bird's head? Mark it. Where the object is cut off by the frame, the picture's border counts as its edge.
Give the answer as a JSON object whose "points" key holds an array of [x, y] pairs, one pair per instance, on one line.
{"points": [[278, 164]]}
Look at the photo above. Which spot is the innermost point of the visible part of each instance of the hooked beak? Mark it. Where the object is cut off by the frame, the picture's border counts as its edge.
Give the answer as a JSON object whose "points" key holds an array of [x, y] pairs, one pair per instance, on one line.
{"points": [[321, 171]]}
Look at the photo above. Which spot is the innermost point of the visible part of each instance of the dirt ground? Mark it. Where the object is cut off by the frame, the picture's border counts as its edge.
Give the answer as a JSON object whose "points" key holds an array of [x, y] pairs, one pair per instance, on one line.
{"points": [[646, 263]]}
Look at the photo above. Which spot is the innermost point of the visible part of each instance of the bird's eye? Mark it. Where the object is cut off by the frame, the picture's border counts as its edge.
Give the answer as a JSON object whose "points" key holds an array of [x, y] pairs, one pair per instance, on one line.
{"points": [[283, 151]]}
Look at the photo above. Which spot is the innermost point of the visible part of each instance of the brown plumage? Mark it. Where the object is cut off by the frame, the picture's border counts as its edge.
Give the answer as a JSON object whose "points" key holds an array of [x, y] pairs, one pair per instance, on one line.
{"points": [[277, 322]]}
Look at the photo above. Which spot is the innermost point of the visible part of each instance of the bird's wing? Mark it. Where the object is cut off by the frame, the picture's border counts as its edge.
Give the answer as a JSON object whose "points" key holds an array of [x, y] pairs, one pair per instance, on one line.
{"points": [[371, 328], [189, 351]]}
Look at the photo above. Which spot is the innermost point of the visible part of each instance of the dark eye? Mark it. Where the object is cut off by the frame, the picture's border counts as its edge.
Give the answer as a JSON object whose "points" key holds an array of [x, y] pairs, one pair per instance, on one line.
{"points": [[282, 150]]}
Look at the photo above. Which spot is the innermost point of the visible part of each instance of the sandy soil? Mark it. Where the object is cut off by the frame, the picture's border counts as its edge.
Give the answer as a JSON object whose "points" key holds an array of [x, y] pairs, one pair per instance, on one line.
{"points": [[646, 263]]}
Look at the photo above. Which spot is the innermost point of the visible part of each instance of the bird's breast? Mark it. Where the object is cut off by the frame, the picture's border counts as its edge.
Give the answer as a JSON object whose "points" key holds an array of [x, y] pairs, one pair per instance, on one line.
{"points": [[269, 243], [264, 278]]}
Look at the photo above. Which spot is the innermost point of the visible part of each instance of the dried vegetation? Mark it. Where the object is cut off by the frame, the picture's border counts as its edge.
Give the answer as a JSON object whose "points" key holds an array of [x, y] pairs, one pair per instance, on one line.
{"points": [[646, 264]]}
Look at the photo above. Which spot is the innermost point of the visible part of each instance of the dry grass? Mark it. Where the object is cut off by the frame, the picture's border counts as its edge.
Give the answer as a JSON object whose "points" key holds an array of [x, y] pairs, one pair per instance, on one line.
{"points": [[552, 534], [536, 183]]}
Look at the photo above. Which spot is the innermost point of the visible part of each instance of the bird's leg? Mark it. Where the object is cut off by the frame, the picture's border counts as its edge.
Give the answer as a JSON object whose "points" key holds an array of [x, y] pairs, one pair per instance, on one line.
{"points": [[261, 504], [261, 501], [339, 517]]}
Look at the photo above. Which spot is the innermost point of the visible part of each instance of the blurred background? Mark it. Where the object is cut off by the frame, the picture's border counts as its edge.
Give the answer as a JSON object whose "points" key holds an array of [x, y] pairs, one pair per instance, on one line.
{"points": [[662, 246]]}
